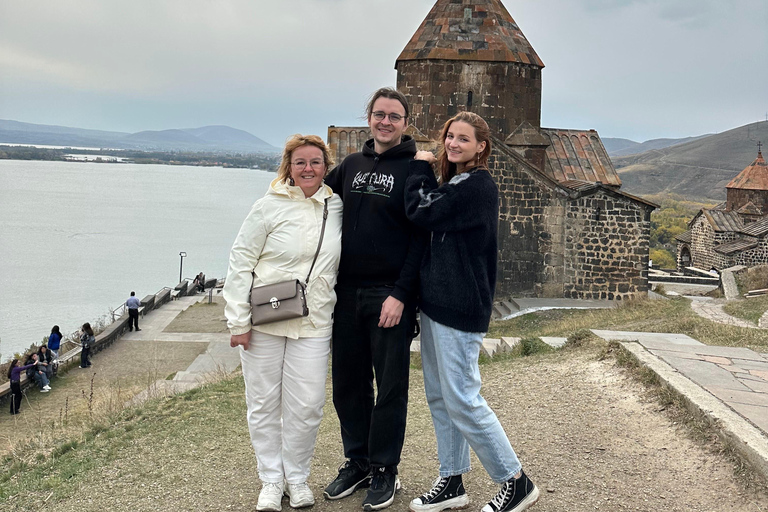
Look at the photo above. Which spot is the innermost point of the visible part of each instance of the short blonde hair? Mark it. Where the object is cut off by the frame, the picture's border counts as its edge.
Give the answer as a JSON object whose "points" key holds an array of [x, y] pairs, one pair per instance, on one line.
{"points": [[293, 143]]}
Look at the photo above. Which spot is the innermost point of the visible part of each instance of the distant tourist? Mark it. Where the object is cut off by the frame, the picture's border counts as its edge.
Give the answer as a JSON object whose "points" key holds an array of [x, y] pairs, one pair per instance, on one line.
{"points": [[54, 342], [199, 282], [46, 358], [376, 312], [14, 375], [37, 372], [133, 304], [285, 363], [458, 279], [87, 339]]}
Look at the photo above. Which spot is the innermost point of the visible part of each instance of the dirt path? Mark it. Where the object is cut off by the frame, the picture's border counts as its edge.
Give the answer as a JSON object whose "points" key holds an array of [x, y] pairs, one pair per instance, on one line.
{"points": [[583, 430]]}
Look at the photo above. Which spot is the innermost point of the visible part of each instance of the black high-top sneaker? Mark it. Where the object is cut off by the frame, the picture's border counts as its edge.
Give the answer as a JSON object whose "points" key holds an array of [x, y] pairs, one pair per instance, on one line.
{"points": [[515, 495], [447, 493]]}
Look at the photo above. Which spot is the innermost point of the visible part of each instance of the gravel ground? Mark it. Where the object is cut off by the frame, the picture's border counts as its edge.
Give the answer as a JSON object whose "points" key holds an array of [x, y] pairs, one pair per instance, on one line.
{"points": [[585, 432]]}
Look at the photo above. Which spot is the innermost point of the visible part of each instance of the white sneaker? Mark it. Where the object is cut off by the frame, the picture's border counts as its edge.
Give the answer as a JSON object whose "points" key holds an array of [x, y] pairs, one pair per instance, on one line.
{"points": [[44, 390], [300, 495], [270, 498], [47, 387]]}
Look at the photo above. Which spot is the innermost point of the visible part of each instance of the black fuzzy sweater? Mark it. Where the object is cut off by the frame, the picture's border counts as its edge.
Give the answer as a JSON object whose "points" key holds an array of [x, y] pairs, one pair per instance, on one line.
{"points": [[458, 269]]}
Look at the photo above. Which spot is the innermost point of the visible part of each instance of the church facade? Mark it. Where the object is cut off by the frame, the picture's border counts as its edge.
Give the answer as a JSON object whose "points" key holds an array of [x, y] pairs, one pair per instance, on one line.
{"points": [[734, 232], [565, 227]]}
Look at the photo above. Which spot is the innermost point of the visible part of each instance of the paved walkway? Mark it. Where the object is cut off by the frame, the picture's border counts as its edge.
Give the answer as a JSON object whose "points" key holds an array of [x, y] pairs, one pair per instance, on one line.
{"points": [[712, 309], [218, 358], [726, 385]]}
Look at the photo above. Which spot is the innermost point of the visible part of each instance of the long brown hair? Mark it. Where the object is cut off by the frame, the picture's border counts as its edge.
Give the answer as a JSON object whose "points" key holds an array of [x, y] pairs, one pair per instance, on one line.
{"points": [[446, 169], [294, 143], [87, 329]]}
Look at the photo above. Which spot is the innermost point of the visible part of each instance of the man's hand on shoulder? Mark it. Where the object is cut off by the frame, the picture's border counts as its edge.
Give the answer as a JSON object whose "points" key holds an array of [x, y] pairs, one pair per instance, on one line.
{"points": [[391, 312]]}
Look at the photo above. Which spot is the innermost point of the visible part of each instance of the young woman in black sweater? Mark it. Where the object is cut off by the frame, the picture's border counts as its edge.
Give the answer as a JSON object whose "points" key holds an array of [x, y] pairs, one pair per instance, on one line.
{"points": [[457, 278]]}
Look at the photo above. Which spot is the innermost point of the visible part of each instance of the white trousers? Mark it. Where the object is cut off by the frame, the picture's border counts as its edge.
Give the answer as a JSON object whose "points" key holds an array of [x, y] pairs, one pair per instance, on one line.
{"points": [[285, 394]]}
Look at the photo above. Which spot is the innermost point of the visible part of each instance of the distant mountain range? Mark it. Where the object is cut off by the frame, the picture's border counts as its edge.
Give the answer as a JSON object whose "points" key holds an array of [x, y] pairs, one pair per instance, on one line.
{"points": [[214, 139], [624, 147], [697, 169]]}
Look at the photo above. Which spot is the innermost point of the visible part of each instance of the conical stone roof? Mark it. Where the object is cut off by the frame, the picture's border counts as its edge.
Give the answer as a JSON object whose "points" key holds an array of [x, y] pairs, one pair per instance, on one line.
{"points": [[753, 177], [470, 30]]}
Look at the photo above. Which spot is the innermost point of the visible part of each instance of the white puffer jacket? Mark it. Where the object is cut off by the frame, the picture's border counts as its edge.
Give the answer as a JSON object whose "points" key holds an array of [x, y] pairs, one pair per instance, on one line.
{"points": [[277, 242]]}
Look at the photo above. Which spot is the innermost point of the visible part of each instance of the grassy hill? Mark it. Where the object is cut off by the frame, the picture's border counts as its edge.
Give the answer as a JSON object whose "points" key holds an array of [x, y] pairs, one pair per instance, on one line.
{"points": [[699, 169]]}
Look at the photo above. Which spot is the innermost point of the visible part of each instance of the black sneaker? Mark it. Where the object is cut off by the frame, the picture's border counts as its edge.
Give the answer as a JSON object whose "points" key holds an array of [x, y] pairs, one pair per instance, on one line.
{"points": [[384, 485], [447, 493], [353, 475], [515, 495]]}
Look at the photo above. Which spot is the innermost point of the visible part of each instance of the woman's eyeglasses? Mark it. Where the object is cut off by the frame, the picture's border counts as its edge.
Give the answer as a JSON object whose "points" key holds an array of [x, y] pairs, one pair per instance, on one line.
{"points": [[314, 164]]}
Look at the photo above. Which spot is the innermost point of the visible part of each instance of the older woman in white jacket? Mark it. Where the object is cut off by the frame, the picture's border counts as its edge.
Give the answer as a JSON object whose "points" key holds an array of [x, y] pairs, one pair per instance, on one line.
{"points": [[285, 363]]}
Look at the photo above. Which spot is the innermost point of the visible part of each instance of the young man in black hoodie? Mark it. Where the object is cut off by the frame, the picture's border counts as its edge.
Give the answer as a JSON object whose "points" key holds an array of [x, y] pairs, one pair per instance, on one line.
{"points": [[375, 313]]}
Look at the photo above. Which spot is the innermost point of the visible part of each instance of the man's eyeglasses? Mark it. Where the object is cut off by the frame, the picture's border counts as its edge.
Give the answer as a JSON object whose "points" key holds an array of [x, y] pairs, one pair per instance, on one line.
{"points": [[393, 118], [314, 164]]}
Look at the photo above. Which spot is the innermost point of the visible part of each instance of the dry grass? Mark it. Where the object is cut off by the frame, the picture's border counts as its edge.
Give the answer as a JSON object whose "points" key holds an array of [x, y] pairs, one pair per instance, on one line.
{"points": [[642, 315]]}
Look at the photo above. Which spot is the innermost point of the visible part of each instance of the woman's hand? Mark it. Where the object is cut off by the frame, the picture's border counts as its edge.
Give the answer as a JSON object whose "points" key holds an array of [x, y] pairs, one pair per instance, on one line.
{"points": [[243, 340], [427, 156]]}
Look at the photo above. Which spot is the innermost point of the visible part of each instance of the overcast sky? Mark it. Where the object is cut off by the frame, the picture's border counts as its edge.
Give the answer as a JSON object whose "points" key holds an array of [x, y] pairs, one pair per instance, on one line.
{"points": [[638, 69]]}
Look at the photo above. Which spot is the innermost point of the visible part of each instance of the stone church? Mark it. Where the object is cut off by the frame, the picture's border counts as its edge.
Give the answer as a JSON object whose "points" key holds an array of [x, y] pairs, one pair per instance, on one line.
{"points": [[565, 227], [734, 232]]}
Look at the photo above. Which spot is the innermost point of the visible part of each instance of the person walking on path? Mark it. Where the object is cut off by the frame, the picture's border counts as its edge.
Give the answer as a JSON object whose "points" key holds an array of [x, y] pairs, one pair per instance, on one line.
{"points": [[87, 339], [14, 375], [376, 308], [294, 231], [133, 304], [458, 279], [54, 342]]}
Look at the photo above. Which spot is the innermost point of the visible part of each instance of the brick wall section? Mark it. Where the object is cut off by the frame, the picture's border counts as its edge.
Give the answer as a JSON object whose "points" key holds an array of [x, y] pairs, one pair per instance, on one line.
{"points": [[345, 140], [504, 94], [606, 247], [738, 197], [703, 241], [751, 257], [551, 245], [525, 244]]}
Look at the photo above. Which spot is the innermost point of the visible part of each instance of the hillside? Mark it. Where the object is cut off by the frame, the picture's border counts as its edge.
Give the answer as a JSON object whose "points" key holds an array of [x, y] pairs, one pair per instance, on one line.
{"points": [[624, 147], [213, 139], [699, 169]]}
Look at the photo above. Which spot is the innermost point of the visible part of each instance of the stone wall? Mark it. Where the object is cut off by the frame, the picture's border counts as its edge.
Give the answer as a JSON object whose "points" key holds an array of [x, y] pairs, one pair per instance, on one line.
{"points": [[530, 228], [504, 94], [703, 241], [752, 257], [345, 140], [606, 247], [555, 245]]}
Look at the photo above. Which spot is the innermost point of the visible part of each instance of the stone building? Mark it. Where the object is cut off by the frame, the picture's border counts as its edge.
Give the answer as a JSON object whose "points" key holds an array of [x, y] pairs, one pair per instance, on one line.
{"points": [[734, 232], [565, 227]]}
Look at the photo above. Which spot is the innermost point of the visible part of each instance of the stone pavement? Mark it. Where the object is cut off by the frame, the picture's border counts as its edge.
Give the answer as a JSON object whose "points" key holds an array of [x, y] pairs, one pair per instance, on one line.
{"points": [[218, 359], [712, 309], [726, 385]]}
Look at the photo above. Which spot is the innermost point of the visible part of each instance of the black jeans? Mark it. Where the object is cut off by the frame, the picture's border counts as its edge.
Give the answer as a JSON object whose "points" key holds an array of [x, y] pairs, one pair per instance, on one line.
{"points": [[85, 357], [16, 398], [133, 319], [371, 431]]}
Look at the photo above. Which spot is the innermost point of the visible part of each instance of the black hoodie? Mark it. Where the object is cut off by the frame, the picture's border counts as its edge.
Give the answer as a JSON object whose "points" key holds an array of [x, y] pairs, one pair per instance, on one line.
{"points": [[379, 245]]}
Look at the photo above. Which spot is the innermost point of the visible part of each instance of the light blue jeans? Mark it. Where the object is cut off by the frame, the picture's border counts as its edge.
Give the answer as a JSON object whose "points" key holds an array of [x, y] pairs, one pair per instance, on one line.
{"points": [[462, 417]]}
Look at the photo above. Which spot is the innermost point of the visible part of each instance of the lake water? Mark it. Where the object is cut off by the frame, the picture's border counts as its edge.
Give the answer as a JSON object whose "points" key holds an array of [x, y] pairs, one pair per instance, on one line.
{"points": [[76, 238]]}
